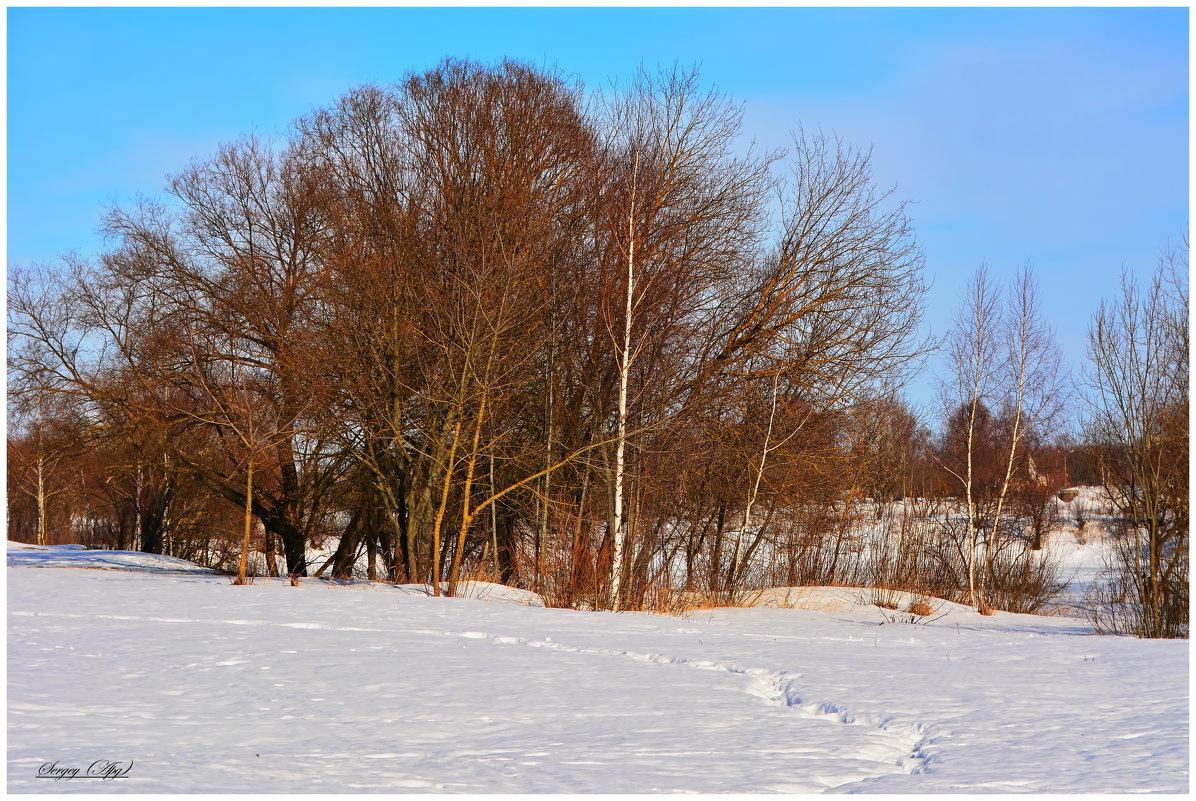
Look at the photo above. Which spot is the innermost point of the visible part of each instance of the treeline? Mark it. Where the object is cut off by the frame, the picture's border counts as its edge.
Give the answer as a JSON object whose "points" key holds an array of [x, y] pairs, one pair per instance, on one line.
{"points": [[483, 324]]}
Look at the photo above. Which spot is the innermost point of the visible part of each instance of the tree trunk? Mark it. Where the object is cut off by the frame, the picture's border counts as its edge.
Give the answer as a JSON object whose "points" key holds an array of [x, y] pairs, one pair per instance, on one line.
{"points": [[716, 554], [733, 576], [466, 493], [271, 553], [294, 544], [618, 523], [243, 567], [507, 566], [42, 539], [371, 553]]}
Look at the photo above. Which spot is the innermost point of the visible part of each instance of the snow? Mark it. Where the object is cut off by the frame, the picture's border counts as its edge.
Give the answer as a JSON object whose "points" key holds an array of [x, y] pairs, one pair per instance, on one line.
{"points": [[1083, 556], [325, 687], [23, 555]]}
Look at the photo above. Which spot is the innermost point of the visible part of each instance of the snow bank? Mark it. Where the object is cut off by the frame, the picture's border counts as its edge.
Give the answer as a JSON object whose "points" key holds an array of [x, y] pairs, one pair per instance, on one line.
{"points": [[485, 591], [22, 554], [859, 601]]}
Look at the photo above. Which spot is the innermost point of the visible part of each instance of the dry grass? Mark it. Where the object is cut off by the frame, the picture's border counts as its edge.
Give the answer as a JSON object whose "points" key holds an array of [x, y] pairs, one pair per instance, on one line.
{"points": [[885, 598], [921, 607], [680, 603]]}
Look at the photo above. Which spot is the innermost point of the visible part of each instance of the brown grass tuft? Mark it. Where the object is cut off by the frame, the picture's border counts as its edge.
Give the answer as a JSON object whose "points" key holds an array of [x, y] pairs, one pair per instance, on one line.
{"points": [[921, 607]]}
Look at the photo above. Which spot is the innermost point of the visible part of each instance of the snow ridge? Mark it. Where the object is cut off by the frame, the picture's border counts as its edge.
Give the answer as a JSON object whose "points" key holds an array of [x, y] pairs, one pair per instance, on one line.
{"points": [[910, 739]]}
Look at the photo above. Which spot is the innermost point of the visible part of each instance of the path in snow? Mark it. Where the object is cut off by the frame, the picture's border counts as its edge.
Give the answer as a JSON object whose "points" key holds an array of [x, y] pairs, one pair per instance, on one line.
{"points": [[776, 687]]}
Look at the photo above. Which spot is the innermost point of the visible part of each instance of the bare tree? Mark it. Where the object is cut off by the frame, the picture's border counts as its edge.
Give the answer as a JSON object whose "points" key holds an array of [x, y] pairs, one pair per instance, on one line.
{"points": [[39, 459], [677, 215], [236, 269], [972, 354], [1137, 383], [1030, 388]]}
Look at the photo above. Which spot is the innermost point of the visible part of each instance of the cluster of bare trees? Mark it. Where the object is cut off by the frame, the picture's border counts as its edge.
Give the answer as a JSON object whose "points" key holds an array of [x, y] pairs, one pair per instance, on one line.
{"points": [[484, 324], [1006, 399], [1003, 359], [479, 322]]}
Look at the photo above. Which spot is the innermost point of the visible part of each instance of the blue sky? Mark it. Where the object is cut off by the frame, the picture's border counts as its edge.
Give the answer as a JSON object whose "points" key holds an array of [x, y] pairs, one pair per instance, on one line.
{"points": [[1057, 137]]}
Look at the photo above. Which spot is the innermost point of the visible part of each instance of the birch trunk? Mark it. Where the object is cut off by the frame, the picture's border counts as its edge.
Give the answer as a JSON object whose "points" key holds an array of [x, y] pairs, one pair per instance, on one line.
{"points": [[624, 373], [41, 500]]}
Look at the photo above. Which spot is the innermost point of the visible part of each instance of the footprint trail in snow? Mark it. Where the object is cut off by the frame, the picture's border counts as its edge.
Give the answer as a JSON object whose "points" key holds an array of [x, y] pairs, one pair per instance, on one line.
{"points": [[777, 687]]}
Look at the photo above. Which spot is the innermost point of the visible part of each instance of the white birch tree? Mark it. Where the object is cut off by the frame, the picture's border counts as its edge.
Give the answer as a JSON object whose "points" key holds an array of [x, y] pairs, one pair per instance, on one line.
{"points": [[972, 359]]}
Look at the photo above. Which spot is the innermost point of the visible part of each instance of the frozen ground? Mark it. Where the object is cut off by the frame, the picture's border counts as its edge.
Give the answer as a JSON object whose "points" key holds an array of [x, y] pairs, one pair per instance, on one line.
{"points": [[204, 686]]}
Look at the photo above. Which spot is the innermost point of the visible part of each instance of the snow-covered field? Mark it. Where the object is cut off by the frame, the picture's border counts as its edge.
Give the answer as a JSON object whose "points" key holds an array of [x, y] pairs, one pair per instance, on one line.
{"points": [[204, 686]]}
